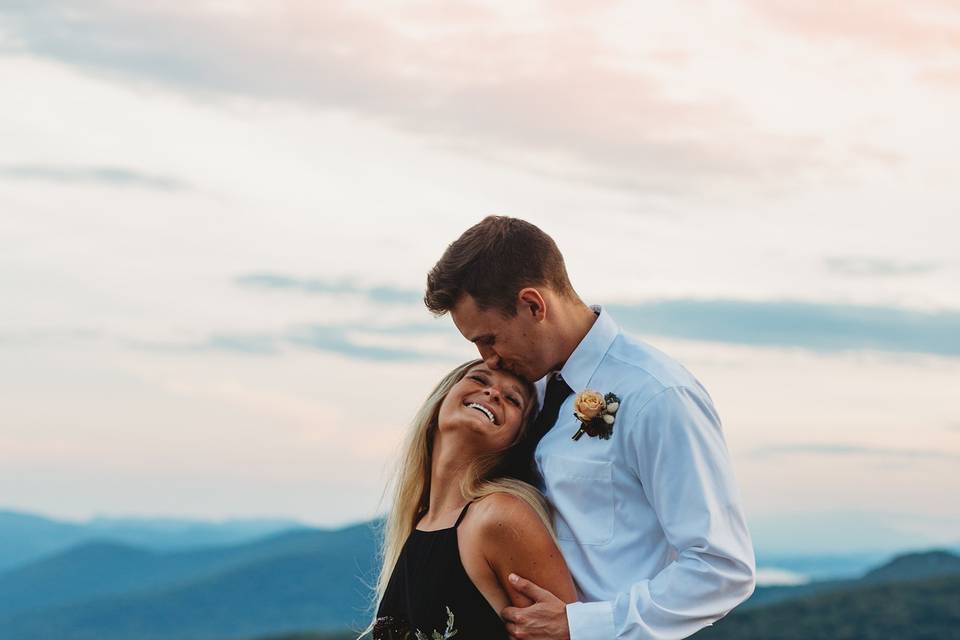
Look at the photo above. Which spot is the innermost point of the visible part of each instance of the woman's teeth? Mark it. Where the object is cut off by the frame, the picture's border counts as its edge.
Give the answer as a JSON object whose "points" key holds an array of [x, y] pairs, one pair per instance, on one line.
{"points": [[482, 409]]}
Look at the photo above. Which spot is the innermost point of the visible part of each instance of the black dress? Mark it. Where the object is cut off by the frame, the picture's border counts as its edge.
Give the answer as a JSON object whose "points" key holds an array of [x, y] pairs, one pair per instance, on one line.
{"points": [[430, 592]]}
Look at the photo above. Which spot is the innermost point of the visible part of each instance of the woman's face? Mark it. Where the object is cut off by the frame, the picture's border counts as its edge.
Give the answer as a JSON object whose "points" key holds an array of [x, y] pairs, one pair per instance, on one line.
{"points": [[491, 405]]}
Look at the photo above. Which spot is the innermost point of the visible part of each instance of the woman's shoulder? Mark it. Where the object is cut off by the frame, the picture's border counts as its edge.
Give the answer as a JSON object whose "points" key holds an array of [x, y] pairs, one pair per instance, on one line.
{"points": [[501, 516], [508, 535]]}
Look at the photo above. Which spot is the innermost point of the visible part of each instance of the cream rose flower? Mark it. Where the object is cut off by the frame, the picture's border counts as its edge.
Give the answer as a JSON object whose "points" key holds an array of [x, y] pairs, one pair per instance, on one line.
{"points": [[588, 405]]}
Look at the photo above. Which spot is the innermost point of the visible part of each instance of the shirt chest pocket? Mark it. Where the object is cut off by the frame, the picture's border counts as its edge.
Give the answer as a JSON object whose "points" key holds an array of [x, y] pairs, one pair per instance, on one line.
{"points": [[581, 492]]}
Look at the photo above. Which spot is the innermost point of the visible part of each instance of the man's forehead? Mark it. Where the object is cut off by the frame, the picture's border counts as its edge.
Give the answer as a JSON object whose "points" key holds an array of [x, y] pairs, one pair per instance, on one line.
{"points": [[466, 306], [470, 319]]}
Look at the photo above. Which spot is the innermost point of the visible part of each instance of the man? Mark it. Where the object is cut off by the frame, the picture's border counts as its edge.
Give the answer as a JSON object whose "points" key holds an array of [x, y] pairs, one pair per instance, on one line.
{"points": [[647, 513]]}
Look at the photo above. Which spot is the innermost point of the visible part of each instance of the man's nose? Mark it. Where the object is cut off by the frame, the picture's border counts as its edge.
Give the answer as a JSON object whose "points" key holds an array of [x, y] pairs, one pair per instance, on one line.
{"points": [[490, 357]]}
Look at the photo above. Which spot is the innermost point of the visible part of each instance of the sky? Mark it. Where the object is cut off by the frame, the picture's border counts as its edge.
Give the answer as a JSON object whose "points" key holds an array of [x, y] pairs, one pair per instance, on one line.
{"points": [[216, 220]]}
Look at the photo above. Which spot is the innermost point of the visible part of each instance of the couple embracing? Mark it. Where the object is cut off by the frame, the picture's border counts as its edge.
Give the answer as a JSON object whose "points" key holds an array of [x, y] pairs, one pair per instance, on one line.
{"points": [[571, 483]]}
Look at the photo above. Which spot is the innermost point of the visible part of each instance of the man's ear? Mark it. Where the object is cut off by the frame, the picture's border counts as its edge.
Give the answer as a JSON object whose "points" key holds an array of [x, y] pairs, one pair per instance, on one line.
{"points": [[531, 303]]}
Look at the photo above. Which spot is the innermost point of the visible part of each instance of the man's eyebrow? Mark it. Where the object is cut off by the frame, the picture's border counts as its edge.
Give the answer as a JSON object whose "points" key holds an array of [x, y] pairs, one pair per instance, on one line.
{"points": [[484, 337]]}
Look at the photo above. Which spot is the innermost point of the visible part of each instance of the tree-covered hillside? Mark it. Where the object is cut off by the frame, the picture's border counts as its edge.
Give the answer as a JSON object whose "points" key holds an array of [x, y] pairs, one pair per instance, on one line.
{"points": [[916, 610]]}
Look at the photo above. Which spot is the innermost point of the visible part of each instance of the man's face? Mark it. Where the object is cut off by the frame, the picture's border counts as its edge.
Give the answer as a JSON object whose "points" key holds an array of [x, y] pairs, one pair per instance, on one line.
{"points": [[506, 343]]}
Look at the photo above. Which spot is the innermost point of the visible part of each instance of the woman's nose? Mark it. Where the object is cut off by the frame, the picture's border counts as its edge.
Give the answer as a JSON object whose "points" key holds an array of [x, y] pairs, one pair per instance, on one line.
{"points": [[492, 392]]}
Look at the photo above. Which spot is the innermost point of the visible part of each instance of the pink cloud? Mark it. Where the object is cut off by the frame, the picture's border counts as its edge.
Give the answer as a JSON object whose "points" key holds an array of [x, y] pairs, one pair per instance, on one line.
{"points": [[925, 27], [546, 91]]}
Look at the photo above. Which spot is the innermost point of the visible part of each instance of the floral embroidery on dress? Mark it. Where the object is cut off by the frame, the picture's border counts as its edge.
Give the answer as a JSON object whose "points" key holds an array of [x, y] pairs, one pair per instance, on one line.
{"points": [[390, 628]]}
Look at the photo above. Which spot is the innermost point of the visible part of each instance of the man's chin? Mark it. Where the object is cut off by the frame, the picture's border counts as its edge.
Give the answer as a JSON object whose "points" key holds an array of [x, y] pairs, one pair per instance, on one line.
{"points": [[533, 376], [521, 373]]}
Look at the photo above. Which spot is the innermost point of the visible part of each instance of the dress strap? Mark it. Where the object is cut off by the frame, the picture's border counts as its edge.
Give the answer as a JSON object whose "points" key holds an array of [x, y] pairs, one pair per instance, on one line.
{"points": [[462, 513]]}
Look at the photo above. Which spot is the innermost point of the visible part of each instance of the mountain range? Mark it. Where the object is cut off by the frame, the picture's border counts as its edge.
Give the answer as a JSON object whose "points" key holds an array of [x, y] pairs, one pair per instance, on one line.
{"points": [[25, 537], [294, 580], [311, 583]]}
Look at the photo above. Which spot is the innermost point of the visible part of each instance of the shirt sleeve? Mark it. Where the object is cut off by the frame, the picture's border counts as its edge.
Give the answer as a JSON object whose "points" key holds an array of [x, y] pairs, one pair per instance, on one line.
{"points": [[682, 463]]}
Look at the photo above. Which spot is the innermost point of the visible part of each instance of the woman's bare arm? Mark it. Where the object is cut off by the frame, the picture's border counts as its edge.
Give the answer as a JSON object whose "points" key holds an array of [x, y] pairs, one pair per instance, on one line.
{"points": [[513, 539]]}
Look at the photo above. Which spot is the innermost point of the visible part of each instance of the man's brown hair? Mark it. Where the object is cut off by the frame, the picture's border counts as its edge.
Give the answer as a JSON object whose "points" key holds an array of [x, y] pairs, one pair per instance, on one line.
{"points": [[492, 261]]}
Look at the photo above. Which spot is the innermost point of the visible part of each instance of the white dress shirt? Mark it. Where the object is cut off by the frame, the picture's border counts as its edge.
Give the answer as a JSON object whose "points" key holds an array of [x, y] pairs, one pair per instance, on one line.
{"points": [[648, 521]]}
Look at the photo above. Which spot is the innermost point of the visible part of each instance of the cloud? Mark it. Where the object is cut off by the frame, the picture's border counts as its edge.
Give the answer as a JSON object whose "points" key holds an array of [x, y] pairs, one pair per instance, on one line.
{"points": [[548, 92], [816, 326], [338, 340], [836, 449], [342, 340], [381, 294], [104, 175], [927, 31], [923, 27], [942, 77], [249, 344], [877, 267]]}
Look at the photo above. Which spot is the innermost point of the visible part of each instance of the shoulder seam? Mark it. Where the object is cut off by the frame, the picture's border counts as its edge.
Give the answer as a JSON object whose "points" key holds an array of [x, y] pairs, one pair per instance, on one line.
{"points": [[675, 387], [637, 366]]}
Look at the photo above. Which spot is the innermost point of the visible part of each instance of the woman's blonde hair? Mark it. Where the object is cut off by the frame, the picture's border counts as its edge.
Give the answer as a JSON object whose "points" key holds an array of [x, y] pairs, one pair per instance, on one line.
{"points": [[486, 474]]}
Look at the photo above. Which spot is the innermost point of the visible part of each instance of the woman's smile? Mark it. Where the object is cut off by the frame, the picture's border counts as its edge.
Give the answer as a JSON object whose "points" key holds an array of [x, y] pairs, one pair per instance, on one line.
{"points": [[484, 409]]}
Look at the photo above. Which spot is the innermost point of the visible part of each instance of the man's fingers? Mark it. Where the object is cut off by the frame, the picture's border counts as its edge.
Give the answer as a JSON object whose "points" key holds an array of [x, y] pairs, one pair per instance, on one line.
{"points": [[511, 614], [529, 589]]}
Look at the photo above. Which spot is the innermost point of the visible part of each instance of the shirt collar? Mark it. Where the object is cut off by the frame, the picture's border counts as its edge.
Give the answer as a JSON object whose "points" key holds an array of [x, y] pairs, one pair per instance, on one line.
{"points": [[585, 359]]}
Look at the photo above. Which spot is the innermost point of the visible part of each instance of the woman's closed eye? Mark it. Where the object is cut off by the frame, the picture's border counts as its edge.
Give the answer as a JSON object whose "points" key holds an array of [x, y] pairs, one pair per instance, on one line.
{"points": [[484, 381], [479, 378]]}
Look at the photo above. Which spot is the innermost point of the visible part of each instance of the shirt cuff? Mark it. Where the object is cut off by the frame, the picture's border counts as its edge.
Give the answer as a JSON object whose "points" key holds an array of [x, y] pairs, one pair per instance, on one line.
{"points": [[591, 621]]}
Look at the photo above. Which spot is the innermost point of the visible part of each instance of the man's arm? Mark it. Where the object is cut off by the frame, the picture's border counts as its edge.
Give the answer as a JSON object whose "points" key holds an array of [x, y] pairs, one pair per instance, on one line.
{"points": [[682, 463]]}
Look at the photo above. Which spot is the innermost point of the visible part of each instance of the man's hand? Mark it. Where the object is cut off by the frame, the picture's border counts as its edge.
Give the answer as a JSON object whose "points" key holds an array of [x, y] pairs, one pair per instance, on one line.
{"points": [[545, 619]]}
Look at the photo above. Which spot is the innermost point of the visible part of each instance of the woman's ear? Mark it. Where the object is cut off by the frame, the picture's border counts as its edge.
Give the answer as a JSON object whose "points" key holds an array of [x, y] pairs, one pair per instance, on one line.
{"points": [[531, 303]]}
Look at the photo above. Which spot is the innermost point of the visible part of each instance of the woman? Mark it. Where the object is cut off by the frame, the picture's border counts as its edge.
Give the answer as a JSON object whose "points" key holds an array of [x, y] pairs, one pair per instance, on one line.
{"points": [[459, 525]]}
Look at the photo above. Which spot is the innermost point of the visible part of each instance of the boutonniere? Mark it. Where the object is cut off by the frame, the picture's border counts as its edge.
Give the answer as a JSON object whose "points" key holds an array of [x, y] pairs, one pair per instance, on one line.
{"points": [[596, 413]]}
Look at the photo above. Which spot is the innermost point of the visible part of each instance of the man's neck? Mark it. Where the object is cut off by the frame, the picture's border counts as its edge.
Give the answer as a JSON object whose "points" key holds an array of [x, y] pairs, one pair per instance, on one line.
{"points": [[573, 322]]}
